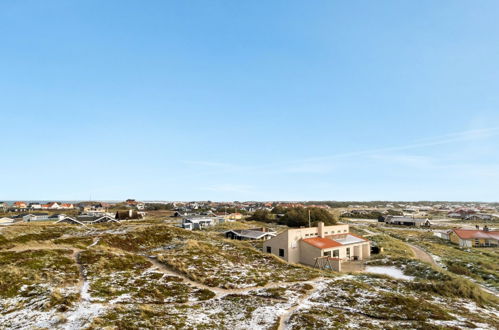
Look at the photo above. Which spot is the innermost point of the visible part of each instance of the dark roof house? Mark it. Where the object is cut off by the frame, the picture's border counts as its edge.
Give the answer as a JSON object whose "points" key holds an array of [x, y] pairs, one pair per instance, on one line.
{"points": [[250, 234]]}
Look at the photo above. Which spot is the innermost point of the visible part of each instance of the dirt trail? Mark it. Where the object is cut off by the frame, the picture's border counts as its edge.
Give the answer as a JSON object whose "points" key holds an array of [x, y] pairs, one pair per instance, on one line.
{"points": [[168, 271], [219, 292], [422, 255], [284, 319]]}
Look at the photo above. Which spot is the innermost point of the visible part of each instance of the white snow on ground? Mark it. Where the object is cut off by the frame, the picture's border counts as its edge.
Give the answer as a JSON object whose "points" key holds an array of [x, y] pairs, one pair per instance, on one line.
{"points": [[437, 259], [83, 315], [33, 315], [390, 271], [85, 296]]}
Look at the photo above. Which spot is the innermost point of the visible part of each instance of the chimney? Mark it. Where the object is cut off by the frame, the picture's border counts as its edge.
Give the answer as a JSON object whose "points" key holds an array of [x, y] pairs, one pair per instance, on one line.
{"points": [[320, 226]]}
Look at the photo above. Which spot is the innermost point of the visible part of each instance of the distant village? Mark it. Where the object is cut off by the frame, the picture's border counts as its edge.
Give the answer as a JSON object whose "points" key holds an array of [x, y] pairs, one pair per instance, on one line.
{"points": [[198, 215]]}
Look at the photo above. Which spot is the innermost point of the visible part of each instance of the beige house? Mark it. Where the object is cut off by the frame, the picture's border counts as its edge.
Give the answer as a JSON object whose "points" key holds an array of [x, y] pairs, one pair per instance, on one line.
{"points": [[474, 238], [308, 245]]}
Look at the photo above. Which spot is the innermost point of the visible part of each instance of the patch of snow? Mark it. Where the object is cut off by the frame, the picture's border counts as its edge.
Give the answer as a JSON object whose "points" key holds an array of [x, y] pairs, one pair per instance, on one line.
{"points": [[82, 315], [390, 271], [84, 294]]}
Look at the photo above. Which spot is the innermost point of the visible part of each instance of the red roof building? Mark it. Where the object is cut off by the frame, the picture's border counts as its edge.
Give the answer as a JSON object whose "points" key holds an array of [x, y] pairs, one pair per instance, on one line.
{"points": [[474, 237]]}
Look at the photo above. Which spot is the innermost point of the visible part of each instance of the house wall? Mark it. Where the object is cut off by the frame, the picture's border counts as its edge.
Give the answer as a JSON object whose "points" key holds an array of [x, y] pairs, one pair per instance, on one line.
{"points": [[366, 250], [465, 242], [278, 242], [308, 253], [360, 250], [454, 238]]}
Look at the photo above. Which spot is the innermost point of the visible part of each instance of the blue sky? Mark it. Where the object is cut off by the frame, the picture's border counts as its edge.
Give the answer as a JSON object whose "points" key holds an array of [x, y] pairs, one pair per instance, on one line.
{"points": [[254, 100]]}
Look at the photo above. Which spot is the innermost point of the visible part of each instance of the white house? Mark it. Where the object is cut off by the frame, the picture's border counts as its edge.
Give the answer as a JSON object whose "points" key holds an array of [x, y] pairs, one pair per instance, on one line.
{"points": [[36, 217], [316, 245], [35, 206], [198, 223]]}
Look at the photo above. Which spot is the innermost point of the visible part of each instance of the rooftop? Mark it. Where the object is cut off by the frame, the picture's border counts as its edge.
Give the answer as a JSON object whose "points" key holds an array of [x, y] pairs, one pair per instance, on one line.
{"points": [[322, 243], [472, 234], [334, 241]]}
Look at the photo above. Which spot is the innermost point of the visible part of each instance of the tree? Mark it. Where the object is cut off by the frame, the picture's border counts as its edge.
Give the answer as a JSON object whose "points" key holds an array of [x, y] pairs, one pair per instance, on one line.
{"points": [[279, 210], [298, 217], [262, 215]]}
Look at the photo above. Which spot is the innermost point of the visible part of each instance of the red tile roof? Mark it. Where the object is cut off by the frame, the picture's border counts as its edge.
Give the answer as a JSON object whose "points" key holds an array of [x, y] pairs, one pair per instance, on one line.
{"points": [[476, 234], [322, 243]]}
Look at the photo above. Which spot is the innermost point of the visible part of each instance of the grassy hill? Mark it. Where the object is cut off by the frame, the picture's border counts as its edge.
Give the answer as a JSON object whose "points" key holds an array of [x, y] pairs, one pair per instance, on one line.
{"points": [[151, 275]]}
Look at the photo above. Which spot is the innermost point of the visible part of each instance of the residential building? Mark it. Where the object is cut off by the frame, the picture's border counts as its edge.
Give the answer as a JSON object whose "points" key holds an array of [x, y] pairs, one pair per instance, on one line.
{"points": [[407, 221], [86, 219], [51, 206], [35, 206], [94, 218], [36, 217], [20, 205], [71, 221], [307, 245], [198, 223], [474, 237], [479, 216], [443, 234], [129, 215], [250, 234]]}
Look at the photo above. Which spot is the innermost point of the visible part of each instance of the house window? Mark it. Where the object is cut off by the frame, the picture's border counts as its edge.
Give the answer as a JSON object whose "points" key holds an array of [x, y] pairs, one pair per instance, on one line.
{"points": [[348, 253], [281, 252], [336, 253], [269, 249], [477, 242], [327, 232], [327, 253]]}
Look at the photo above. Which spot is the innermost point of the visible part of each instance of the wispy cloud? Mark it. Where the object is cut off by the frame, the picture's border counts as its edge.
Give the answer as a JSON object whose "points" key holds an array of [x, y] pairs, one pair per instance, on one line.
{"points": [[329, 163], [425, 142]]}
